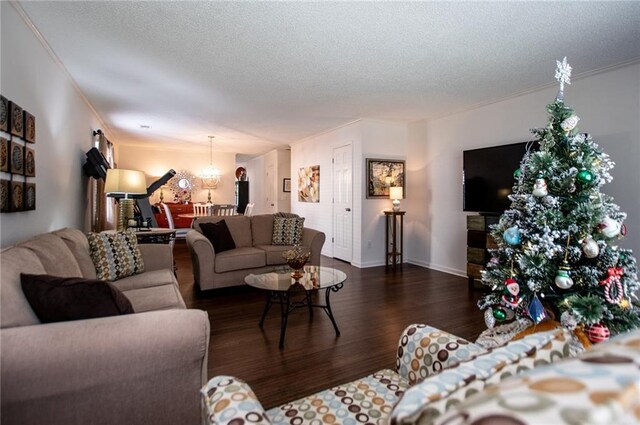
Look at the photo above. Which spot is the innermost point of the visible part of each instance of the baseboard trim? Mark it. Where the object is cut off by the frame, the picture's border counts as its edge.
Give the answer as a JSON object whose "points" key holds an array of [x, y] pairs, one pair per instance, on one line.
{"points": [[444, 269], [368, 264]]}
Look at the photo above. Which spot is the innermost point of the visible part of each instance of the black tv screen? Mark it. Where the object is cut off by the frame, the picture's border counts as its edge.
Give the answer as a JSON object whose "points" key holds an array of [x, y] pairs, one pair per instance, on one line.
{"points": [[488, 177]]}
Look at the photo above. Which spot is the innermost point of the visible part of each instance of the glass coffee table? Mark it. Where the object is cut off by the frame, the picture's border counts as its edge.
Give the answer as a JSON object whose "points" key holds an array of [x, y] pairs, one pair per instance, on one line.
{"points": [[282, 283]]}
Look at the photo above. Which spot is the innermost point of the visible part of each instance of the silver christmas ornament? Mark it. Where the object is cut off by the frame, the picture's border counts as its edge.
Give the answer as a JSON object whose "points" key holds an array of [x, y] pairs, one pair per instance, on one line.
{"points": [[489, 320], [568, 320], [570, 123], [590, 247]]}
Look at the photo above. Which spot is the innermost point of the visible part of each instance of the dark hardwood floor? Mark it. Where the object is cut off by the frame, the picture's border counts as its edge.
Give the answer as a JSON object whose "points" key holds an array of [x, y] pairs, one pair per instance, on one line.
{"points": [[371, 310]]}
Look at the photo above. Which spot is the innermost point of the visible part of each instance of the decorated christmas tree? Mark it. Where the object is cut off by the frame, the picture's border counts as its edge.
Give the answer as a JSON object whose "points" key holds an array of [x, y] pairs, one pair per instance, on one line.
{"points": [[557, 255]]}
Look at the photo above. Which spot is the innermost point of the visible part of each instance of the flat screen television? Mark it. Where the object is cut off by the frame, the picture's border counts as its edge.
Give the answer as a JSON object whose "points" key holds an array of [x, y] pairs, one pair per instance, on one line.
{"points": [[488, 177]]}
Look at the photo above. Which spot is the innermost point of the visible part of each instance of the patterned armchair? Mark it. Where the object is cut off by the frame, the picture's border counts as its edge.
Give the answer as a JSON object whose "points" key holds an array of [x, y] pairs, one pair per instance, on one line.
{"points": [[432, 367]]}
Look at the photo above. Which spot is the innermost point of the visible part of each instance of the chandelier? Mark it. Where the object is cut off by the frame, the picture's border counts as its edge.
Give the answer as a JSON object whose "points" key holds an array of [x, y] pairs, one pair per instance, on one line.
{"points": [[210, 175]]}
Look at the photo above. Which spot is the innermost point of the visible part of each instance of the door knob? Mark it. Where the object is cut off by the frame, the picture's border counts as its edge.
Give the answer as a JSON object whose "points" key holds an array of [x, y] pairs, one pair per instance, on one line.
{"points": [[347, 209]]}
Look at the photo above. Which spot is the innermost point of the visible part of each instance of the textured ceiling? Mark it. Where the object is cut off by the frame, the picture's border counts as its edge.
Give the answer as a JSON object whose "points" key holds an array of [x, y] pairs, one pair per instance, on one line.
{"points": [[260, 75]]}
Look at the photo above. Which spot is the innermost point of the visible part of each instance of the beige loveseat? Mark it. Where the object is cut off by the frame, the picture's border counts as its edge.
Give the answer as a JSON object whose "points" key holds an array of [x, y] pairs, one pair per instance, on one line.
{"points": [[254, 252], [136, 369]]}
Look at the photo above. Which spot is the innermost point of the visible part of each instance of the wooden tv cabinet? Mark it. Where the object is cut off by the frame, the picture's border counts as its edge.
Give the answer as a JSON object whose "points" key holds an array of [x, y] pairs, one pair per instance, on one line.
{"points": [[479, 241]]}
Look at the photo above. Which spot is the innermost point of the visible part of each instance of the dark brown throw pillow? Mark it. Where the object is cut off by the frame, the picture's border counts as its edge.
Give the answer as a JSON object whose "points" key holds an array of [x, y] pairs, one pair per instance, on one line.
{"points": [[219, 235], [60, 299]]}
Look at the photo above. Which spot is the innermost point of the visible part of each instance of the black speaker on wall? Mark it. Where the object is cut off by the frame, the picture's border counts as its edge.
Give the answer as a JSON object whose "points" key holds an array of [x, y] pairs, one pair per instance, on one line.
{"points": [[242, 196]]}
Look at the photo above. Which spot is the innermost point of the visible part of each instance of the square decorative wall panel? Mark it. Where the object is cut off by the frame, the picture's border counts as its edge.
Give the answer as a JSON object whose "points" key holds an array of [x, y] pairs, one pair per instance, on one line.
{"points": [[29, 127], [29, 196], [29, 162], [16, 120], [17, 195], [4, 154], [16, 158], [5, 195], [4, 114]]}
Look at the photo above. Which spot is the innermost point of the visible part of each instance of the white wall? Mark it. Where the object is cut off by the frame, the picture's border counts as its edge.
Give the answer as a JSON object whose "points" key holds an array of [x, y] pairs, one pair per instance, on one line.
{"points": [[609, 107], [386, 140], [283, 198], [255, 176], [156, 162], [64, 126], [369, 139]]}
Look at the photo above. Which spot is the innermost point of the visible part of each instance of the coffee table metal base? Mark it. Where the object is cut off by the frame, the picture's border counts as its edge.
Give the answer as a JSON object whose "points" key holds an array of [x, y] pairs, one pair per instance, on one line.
{"points": [[287, 306]]}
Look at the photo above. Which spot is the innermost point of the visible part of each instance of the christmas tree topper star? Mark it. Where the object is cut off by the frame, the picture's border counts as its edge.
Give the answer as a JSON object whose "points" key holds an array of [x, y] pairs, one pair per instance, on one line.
{"points": [[563, 75]]}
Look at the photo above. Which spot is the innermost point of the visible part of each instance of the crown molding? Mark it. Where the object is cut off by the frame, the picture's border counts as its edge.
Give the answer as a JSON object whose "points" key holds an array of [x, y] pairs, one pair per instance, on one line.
{"points": [[29, 23]]}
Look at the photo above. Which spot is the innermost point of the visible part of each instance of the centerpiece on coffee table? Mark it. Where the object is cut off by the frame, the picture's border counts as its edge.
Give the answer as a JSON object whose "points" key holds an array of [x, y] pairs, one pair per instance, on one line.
{"points": [[296, 259]]}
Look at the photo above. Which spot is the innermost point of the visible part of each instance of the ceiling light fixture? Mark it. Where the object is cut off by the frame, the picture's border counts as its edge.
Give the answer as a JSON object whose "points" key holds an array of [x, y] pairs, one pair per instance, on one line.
{"points": [[210, 175]]}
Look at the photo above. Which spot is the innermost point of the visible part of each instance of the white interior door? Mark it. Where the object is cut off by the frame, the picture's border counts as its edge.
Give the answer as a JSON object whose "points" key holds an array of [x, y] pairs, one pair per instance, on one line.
{"points": [[342, 203]]}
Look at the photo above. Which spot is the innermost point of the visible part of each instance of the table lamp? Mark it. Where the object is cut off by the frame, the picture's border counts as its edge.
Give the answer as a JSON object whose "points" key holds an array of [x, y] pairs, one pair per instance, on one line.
{"points": [[125, 183], [396, 193]]}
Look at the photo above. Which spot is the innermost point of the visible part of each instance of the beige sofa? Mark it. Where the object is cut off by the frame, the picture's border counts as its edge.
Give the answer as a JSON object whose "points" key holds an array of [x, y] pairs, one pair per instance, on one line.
{"points": [[253, 253], [136, 369]]}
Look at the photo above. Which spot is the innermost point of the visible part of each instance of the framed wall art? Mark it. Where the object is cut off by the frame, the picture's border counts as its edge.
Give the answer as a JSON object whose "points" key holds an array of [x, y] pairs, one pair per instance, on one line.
{"points": [[16, 158], [309, 184], [382, 174], [29, 127], [29, 196], [4, 154], [17, 195], [29, 162], [286, 185], [16, 119], [5, 195], [4, 113]]}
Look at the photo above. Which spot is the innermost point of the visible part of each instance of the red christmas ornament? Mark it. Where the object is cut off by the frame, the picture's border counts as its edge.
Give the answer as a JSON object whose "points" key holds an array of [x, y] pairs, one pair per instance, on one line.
{"points": [[623, 230], [597, 333], [614, 274]]}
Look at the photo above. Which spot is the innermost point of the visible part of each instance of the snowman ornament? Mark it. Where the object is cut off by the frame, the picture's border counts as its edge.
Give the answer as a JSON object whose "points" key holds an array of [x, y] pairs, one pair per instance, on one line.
{"points": [[540, 188]]}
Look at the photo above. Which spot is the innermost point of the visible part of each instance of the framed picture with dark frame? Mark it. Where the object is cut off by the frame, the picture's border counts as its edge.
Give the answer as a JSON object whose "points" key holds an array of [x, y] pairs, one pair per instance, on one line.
{"points": [[382, 174], [286, 185]]}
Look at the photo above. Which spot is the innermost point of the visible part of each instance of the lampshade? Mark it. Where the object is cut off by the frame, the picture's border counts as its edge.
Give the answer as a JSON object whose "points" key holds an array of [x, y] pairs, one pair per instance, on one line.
{"points": [[395, 192], [125, 182]]}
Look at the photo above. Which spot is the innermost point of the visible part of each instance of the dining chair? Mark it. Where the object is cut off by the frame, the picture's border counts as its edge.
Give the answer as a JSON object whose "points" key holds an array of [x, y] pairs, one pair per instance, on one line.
{"points": [[201, 209], [248, 211], [172, 226], [225, 210]]}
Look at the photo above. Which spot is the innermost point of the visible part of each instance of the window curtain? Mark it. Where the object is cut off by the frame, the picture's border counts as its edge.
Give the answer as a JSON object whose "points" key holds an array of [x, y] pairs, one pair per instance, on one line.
{"points": [[103, 208]]}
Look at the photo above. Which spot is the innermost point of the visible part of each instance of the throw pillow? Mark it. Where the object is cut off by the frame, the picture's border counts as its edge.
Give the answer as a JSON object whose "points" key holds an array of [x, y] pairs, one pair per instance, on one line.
{"points": [[600, 386], [287, 230], [59, 299], [219, 236], [429, 399], [115, 254]]}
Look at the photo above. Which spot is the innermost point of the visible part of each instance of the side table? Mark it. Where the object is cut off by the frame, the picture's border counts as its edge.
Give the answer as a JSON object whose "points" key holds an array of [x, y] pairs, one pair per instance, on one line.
{"points": [[156, 235], [394, 256]]}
